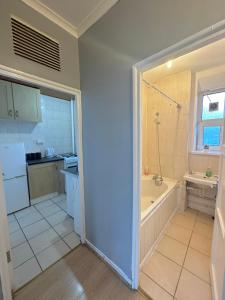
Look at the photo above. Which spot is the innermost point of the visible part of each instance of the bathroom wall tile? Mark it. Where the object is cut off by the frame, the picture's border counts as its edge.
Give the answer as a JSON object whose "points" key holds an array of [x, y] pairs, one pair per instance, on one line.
{"points": [[173, 129], [199, 163]]}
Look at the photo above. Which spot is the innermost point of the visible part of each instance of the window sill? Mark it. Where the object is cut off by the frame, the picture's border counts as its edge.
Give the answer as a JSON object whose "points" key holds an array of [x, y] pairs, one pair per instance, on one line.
{"points": [[209, 153]]}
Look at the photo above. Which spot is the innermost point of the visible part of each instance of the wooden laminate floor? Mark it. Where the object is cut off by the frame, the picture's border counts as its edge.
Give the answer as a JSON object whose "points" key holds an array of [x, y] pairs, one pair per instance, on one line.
{"points": [[80, 275]]}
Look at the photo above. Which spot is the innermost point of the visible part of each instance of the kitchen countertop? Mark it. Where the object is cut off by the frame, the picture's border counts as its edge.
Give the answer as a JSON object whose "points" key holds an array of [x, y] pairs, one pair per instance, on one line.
{"points": [[70, 171], [44, 160]]}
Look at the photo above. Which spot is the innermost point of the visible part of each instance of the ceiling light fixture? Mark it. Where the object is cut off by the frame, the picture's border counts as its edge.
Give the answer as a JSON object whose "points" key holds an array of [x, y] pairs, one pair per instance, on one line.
{"points": [[169, 64]]}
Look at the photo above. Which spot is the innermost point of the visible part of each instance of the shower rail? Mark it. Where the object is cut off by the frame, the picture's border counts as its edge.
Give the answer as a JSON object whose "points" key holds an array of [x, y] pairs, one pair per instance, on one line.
{"points": [[162, 93]]}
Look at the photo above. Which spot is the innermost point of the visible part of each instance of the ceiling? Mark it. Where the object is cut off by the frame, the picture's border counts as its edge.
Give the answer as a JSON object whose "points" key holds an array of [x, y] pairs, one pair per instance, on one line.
{"points": [[75, 16], [208, 62]]}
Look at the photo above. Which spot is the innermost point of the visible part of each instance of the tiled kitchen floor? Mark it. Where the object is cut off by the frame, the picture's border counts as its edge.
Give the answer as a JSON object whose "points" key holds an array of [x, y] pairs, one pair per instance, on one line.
{"points": [[179, 267], [40, 235]]}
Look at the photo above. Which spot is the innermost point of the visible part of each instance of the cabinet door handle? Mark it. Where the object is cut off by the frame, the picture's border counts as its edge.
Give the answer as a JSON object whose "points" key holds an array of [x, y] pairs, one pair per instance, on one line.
{"points": [[10, 113], [16, 114]]}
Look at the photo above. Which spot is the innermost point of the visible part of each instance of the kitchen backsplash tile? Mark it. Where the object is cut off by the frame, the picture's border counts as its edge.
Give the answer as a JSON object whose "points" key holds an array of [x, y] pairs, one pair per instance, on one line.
{"points": [[54, 130]]}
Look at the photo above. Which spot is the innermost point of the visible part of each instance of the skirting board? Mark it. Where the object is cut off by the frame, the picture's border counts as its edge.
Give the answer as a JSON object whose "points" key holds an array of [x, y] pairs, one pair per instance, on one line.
{"points": [[112, 265], [214, 285]]}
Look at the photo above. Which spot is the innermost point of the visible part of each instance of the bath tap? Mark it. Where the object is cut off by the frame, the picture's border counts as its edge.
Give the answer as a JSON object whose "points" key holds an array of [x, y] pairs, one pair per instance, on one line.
{"points": [[158, 179]]}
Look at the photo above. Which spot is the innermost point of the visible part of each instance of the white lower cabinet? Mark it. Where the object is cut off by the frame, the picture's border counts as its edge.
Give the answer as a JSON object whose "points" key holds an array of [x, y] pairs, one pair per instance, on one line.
{"points": [[73, 200]]}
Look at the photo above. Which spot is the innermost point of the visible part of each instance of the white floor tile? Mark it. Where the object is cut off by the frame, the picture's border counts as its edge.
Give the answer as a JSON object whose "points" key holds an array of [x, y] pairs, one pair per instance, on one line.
{"points": [[35, 229], [201, 243], [62, 204], [44, 240], [191, 287], [172, 249], [179, 233], [45, 203], [50, 255], [152, 289], [20, 254], [24, 212], [203, 229], [17, 238], [49, 210], [198, 264], [64, 228], [30, 219], [26, 272], [57, 218], [163, 271], [11, 218], [13, 226], [72, 239], [59, 198]]}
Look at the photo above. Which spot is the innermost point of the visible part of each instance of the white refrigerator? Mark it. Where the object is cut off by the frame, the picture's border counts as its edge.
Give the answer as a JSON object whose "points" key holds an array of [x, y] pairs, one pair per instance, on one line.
{"points": [[13, 166]]}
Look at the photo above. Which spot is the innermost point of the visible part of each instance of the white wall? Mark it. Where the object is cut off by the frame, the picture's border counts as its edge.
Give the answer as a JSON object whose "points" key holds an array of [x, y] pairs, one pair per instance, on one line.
{"points": [[54, 130]]}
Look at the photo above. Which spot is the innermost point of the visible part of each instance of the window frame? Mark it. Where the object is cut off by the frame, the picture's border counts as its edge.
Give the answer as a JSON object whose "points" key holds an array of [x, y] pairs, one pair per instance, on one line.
{"points": [[205, 123]]}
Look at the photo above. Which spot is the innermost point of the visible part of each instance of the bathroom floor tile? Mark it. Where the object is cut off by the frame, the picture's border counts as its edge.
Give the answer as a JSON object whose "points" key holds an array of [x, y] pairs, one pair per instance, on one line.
{"points": [[184, 220], [179, 233], [201, 243], [72, 240], [49, 210], [20, 254], [191, 287], [26, 272], [152, 289], [198, 264], [64, 228], [35, 229], [17, 238], [203, 229], [163, 271], [57, 218], [204, 218], [44, 240], [30, 219], [50, 255], [172, 249]]}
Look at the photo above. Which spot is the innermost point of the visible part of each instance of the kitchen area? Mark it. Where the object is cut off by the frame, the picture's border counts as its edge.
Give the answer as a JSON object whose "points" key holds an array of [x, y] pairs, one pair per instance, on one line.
{"points": [[40, 172]]}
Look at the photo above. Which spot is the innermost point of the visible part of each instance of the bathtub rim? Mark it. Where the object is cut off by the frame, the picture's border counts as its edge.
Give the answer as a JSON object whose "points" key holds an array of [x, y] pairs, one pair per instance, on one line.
{"points": [[171, 185]]}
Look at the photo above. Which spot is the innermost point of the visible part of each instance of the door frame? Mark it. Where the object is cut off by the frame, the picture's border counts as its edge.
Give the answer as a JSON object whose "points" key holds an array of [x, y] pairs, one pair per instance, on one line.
{"points": [[6, 275], [35, 80], [193, 42]]}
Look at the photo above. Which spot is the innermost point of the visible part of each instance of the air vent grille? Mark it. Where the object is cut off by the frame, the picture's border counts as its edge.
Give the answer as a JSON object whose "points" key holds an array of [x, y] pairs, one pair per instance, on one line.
{"points": [[35, 46]]}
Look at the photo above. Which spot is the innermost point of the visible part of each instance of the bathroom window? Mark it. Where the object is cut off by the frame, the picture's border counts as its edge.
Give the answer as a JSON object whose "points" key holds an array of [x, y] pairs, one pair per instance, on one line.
{"points": [[210, 120]]}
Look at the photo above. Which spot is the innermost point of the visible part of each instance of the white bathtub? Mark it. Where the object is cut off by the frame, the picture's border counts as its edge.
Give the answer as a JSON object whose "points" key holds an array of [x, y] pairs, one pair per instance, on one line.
{"points": [[158, 204], [152, 195]]}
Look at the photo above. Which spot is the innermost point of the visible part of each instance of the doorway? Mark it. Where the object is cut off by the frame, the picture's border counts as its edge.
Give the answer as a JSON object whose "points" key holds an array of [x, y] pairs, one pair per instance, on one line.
{"points": [[139, 186], [54, 203]]}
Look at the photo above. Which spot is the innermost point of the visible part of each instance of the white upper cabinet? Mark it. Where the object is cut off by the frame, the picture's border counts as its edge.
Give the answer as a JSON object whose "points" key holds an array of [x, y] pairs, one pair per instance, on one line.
{"points": [[6, 100], [19, 102], [26, 103]]}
